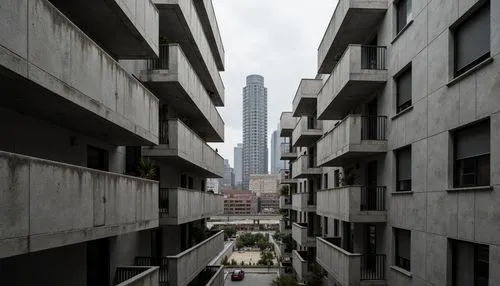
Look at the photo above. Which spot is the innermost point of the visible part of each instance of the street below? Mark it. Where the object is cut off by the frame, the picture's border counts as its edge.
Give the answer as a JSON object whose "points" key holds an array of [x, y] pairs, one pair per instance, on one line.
{"points": [[253, 277]]}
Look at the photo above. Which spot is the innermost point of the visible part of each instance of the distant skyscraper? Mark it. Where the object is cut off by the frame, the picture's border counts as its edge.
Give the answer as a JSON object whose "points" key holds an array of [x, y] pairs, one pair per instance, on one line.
{"points": [[254, 128], [238, 165], [228, 175], [276, 163]]}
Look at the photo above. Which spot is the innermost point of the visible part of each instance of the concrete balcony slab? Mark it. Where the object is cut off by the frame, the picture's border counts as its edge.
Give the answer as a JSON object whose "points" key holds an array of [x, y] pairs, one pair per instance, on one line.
{"points": [[304, 103], [176, 83], [54, 72], [299, 264], [299, 234], [287, 124], [127, 29], [179, 206], [302, 169], [306, 132], [285, 202], [353, 22], [209, 22], [360, 72], [180, 23], [184, 149], [46, 204], [355, 136], [353, 204], [288, 152], [302, 202]]}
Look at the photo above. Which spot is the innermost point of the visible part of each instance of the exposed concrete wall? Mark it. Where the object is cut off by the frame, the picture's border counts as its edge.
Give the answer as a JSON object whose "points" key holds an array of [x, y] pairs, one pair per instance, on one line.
{"points": [[301, 132], [345, 267], [38, 43], [287, 122], [124, 248], [59, 267], [49, 204], [299, 265]]}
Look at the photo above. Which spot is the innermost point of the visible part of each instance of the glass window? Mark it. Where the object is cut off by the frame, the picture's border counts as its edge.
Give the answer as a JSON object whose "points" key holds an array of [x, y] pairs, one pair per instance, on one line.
{"points": [[470, 264], [403, 169], [472, 155], [403, 14], [403, 248], [472, 40], [403, 90]]}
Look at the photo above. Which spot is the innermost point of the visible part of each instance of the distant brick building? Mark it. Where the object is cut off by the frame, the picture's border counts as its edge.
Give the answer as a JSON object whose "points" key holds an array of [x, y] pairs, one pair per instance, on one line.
{"points": [[269, 203], [238, 202]]}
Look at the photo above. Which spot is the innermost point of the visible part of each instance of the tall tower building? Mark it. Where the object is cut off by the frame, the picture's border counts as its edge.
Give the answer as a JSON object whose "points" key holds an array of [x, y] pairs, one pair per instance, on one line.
{"points": [[238, 165], [254, 128], [276, 163]]}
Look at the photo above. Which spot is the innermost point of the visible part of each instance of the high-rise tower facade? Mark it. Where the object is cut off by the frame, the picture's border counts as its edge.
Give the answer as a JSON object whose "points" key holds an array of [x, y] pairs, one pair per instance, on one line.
{"points": [[254, 128], [238, 165]]}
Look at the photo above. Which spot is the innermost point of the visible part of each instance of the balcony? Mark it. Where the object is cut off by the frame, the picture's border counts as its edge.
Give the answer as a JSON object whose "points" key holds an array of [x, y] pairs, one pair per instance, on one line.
{"points": [[181, 23], [285, 202], [304, 103], [286, 177], [182, 268], [126, 29], [209, 22], [307, 131], [302, 235], [46, 204], [349, 268], [137, 276], [300, 265], [172, 78], [181, 147], [353, 22], [360, 72], [179, 206], [305, 168], [213, 275], [287, 124], [303, 202], [52, 71], [288, 152], [353, 204], [354, 137]]}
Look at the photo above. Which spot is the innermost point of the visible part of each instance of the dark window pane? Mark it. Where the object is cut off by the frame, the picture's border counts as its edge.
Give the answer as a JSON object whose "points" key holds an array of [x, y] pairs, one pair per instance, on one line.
{"points": [[403, 169], [472, 40], [483, 170], [473, 141], [401, 15], [404, 90], [403, 248]]}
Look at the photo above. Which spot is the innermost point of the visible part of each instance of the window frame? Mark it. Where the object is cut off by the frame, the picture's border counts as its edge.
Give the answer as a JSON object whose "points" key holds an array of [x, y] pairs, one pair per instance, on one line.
{"points": [[407, 182], [397, 78], [454, 250], [400, 27], [397, 258]]}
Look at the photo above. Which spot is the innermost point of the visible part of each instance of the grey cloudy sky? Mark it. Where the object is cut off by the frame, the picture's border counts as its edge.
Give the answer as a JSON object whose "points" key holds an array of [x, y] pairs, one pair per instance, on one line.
{"points": [[275, 38]]}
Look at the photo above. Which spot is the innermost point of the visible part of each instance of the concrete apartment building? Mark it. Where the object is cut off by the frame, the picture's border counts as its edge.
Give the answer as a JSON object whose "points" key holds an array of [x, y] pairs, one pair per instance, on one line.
{"points": [[276, 142], [397, 134], [90, 87], [239, 202], [238, 165], [255, 150]]}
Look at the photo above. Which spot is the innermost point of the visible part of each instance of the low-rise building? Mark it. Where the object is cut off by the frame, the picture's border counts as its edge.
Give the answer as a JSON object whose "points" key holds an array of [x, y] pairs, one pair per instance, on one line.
{"points": [[239, 202]]}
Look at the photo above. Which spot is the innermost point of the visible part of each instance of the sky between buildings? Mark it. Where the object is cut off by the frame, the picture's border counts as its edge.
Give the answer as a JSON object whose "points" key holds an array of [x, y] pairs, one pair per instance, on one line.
{"points": [[277, 39]]}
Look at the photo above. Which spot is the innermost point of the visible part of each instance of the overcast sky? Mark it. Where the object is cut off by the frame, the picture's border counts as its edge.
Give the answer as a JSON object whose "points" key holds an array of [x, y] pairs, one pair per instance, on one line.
{"points": [[277, 39]]}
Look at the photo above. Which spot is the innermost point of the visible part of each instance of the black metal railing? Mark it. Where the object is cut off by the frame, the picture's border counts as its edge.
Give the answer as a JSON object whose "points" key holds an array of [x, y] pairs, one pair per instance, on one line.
{"points": [[125, 273], [373, 198], [161, 262], [374, 128], [373, 58], [163, 201], [372, 266], [160, 63]]}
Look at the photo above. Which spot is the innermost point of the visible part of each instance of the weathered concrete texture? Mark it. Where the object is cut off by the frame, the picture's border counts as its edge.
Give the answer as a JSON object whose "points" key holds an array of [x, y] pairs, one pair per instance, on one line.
{"points": [[304, 102], [180, 86], [300, 168], [344, 266], [344, 203], [353, 22], [344, 143], [47, 204], [185, 266], [349, 85], [287, 124], [124, 28], [304, 136], [299, 264], [300, 202], [186, 149], [180, 23], [299, 234], [190, 205], [209, 22], [67, 78]]}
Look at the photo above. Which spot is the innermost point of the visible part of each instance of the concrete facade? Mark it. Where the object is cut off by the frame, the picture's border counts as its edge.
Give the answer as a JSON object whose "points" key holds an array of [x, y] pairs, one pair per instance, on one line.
{"points": [[435, 213], [238, 165]]}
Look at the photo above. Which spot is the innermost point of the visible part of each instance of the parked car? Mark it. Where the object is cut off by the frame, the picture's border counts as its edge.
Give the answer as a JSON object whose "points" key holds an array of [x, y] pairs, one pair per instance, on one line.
{"points": [[237, 275]]}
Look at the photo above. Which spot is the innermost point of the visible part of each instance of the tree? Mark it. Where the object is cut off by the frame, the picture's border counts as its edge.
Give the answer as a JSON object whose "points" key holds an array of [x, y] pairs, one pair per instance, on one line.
{"points": [[147, 169], [229, 232], [285, 281], [242, 263], [233, 262], [225, 260]]}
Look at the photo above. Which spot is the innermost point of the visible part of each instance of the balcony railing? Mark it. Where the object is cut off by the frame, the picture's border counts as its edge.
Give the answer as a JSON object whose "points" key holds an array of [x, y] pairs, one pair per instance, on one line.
{"points": [[160, 63], [136, 276], [287, 148], [161, 262], [373, 198], [373, 57], [373, 128], [349, 268], [217, 278], [300, 264]]}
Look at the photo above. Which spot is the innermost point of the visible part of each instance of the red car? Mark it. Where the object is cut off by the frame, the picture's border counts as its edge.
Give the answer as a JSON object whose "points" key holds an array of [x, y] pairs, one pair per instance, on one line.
{"points": [[237, 275]]}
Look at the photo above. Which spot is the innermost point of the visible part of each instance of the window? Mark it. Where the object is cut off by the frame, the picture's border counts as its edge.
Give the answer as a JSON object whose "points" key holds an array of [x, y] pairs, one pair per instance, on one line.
{"points": [[326, 181], [403, 169], [472, 40], [472, 155], [97, 158], [335, 227], [403, 14], [470, 264], [325, 223], [403, 248], [403, 90]]}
